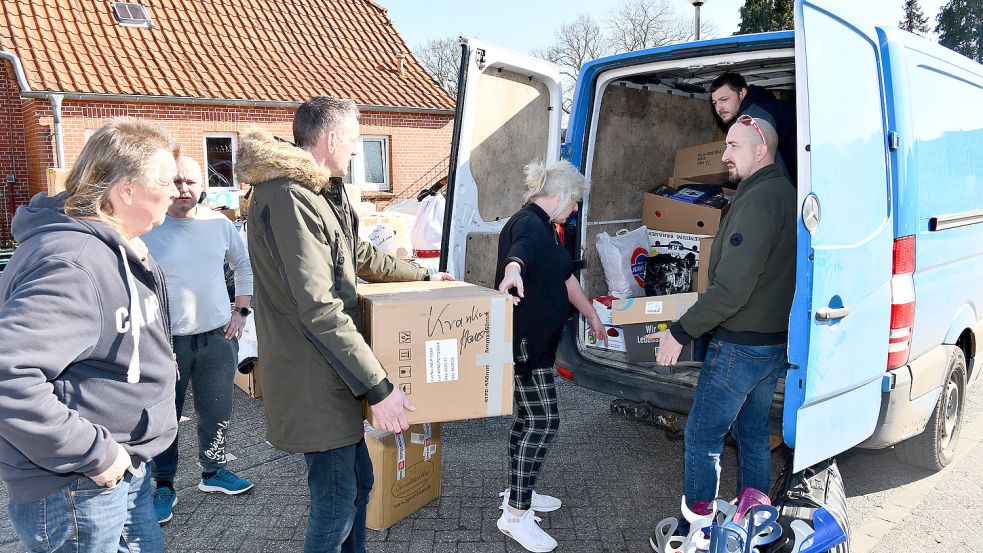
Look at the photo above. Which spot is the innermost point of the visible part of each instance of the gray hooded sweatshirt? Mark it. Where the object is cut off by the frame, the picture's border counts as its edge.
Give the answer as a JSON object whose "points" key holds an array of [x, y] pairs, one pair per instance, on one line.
{"points": [[85, 353]]}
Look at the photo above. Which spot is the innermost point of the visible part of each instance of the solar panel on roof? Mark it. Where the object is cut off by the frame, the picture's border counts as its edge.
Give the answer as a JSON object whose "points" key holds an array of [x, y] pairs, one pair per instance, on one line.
{"points": [[132, 15]]}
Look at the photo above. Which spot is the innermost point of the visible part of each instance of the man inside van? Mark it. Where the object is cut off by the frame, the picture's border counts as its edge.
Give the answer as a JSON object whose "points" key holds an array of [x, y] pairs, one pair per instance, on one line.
{"points": [[746, 308], [732, 97]]}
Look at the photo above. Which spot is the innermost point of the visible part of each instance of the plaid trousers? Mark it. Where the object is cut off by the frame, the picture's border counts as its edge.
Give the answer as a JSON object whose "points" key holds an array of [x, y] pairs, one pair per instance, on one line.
{"points": [[537, 418]]}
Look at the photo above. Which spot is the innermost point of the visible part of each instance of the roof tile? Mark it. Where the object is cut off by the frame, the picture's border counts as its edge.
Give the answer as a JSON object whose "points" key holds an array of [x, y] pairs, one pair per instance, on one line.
{"points": [[286, 50]]}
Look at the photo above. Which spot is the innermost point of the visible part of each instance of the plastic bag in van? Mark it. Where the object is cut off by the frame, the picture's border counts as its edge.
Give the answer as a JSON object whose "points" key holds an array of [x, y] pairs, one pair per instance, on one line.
{"points": [[623, 260]]}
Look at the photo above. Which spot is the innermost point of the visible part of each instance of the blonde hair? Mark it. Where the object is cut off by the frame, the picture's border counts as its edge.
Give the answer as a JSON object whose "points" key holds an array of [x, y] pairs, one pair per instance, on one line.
{"points": [[123, 147], [557, 178]]}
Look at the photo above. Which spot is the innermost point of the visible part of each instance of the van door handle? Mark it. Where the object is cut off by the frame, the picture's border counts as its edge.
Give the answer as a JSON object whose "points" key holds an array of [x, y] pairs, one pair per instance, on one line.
{"points": [[831, 313]]}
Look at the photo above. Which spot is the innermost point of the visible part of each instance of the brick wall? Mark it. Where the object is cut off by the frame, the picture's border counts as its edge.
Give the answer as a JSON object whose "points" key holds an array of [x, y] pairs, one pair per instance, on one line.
{"points": [[417, 142], [13, 150]]}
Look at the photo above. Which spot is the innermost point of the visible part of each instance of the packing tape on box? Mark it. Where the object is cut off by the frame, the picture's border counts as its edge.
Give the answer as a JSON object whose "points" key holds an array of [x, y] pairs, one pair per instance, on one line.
{"points": [[499, 354], [400, 457], [426, 440]]}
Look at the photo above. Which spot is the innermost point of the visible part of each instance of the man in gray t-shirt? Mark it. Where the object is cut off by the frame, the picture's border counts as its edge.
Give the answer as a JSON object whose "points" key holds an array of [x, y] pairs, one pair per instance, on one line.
{"points": [[191, 248]]}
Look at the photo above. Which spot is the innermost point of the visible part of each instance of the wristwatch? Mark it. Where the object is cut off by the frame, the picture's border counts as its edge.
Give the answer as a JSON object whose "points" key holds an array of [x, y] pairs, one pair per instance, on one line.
{"points": [[244, 311]]}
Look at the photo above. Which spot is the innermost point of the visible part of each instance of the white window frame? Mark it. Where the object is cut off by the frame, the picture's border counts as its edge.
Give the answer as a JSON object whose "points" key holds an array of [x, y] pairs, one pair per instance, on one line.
{"points": [[235, 146], [356, 171]]}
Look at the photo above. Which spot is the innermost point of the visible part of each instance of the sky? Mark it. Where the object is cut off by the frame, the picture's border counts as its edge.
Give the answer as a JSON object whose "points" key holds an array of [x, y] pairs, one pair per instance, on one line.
{"points": [[524, 25]]}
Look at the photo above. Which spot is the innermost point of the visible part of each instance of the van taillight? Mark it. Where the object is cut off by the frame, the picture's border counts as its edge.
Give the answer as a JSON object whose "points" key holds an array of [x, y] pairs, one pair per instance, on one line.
{"points": [[902, 302], [564, 372]]}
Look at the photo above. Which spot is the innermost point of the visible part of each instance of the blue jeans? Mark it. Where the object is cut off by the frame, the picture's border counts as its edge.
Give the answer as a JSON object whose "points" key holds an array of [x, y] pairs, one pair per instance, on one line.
{"points": [[340, 481], [208, 362], [84, 516], [734, 393]]}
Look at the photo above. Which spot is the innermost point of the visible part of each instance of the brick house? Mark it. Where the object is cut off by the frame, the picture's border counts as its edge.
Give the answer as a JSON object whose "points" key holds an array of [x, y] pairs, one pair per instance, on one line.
{"points": [[205, 70]]}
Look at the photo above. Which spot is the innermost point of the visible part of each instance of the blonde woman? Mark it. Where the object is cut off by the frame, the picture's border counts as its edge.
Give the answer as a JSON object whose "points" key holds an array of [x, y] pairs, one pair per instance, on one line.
{"points": [[86, 373], [537, 272]]}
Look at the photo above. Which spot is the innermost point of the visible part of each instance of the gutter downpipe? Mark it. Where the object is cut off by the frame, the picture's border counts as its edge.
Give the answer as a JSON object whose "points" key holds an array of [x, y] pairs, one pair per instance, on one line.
{"points": [[56, 100]]}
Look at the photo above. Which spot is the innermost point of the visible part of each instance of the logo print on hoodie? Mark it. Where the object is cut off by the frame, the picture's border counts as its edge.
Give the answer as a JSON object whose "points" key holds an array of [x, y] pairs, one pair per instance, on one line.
{"points": [[151, 311]]}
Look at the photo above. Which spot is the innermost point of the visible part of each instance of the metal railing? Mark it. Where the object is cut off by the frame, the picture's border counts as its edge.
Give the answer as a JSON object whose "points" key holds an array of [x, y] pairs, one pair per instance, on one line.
{"points": [[426, 181]]}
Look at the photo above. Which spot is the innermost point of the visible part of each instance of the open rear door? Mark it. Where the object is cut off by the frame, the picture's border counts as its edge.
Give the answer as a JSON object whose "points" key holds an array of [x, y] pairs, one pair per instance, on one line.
{"points": [[509, 108], [838, 332]]}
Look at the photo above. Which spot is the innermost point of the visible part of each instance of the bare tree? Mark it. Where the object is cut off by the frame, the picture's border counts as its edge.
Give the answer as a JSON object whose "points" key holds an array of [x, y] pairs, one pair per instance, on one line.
{"points": [[640, 24], [442, 59], [575, 43]]}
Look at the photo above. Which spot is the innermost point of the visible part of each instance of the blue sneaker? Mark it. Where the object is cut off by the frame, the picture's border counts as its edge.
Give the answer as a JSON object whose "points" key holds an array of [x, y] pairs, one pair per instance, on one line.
{"points": [[226, 482], [164, 501]]}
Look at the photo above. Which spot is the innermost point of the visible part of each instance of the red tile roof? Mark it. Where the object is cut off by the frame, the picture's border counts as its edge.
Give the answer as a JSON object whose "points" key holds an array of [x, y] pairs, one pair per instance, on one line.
{"points": [[273, 50]]}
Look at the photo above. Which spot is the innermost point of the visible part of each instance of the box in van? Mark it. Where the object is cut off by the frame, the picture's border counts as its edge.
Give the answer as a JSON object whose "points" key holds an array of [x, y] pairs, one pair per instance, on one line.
{"points": [[701, 163], [669, 215]]}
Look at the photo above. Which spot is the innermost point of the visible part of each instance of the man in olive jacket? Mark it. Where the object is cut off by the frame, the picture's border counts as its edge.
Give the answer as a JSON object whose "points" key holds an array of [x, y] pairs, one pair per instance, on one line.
{"points": [[747, 304], [316, 366]]}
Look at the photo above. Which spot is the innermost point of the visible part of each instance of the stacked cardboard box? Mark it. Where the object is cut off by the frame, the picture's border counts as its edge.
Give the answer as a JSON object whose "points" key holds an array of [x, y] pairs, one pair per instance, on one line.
{"points": [[407, 472], [642, 316], [446, 345]]}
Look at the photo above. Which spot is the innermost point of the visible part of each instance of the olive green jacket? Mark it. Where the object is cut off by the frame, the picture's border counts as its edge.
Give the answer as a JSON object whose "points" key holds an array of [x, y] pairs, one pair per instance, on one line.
{"points": [[752, 262], [314, 364]]}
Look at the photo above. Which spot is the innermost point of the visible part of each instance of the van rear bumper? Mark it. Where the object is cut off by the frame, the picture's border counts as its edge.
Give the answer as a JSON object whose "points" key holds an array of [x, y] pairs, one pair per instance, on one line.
{"points": [[902, 417]]}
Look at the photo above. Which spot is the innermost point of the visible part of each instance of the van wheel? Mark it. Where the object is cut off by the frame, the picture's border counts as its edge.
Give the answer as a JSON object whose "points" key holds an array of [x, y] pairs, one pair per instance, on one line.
{"points": [[797, 496], [936, 446]]}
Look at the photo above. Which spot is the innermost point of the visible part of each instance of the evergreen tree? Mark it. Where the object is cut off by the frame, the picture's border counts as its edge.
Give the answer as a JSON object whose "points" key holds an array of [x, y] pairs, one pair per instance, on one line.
{"points": [[783, 18], [756, 17], [913, 21], [960, 27]]}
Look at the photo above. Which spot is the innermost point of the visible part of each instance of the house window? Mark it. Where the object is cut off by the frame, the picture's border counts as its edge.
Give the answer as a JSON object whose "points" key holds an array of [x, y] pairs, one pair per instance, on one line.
{"points": [[132, 15], [220, 151], [370, 169]]}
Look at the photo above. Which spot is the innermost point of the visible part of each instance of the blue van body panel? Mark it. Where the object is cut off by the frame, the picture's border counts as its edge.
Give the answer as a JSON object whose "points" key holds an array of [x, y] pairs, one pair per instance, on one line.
{"points": [[574, 149]]}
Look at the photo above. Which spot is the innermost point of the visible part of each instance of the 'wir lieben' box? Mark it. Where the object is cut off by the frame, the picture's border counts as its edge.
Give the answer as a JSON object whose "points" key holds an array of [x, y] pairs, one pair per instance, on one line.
{"points": [[446, 345]]}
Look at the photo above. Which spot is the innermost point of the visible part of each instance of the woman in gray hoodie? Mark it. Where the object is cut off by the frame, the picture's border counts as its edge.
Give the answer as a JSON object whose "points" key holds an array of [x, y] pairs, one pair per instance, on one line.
{"points": [[86, 369]]}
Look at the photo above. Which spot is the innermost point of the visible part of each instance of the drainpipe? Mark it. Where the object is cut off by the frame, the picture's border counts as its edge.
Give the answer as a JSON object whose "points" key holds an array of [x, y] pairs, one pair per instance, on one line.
{"points": [[55, 100], [18, 70]]}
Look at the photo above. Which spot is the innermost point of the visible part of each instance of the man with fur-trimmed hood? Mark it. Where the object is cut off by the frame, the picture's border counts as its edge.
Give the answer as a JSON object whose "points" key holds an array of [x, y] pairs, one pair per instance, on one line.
{"points": [[306, 254]]}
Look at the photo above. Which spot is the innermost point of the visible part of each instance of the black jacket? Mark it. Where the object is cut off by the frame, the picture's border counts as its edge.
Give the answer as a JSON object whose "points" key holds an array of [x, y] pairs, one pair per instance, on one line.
{"points": [[761, 104], [530, 239]]}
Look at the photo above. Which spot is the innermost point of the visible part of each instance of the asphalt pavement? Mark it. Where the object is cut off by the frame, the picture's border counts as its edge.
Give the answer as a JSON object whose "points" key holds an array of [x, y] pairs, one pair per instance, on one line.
{"points": [[616, 477]]}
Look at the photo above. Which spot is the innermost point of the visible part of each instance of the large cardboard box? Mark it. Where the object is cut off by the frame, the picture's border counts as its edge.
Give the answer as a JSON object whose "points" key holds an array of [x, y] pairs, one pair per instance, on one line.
{"points": [[616, 337], [249, 382], [407, 473], [669, 215], [651, 309], [676, 244], [703, 274], [446, 345], [701, 163]]}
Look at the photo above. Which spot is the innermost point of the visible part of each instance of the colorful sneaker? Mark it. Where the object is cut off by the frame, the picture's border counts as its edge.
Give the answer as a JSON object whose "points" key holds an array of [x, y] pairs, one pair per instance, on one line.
{"points": [[540, 503], [164, 501], [226, 482], [526, 531]]}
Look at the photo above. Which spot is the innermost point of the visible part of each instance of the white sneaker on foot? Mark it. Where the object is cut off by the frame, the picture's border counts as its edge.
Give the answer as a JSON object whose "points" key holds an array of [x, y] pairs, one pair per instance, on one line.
{"points": [[540, 503], [526, 531]]}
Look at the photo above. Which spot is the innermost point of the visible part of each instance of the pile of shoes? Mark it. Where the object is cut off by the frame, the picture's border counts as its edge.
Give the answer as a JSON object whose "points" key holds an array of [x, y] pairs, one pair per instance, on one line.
{"points": [[749, 524]]}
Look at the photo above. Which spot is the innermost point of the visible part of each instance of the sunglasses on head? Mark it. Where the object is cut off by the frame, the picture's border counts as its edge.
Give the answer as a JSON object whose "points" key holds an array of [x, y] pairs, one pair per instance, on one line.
{"points": [[748, 121]]}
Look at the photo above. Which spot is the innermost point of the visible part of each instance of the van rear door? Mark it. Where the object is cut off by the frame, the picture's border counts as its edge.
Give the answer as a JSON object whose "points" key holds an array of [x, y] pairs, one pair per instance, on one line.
{"points": [[839, 326], [508, 114]]}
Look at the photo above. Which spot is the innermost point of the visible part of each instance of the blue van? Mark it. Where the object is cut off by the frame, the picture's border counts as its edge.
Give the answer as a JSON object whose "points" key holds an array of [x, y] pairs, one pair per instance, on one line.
{"points": [[885, 330]]}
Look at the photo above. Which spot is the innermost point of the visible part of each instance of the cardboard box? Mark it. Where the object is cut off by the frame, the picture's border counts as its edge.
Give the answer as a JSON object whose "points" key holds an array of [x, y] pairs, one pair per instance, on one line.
{"points": [[651, 309], [446, 345], [703, 275], [701, 163], [676, 244], [249, 383], [407, 473], [669, 215], [644, 350], [616, 337]]}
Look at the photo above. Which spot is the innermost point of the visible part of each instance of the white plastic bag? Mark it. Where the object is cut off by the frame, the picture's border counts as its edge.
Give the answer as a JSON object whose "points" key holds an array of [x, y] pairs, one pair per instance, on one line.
{"points": [[623, 260], [429, 224]]}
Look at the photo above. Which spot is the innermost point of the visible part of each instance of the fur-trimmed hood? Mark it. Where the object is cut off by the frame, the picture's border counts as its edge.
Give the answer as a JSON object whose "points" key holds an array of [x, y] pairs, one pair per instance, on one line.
{"points": [[262, 158]]}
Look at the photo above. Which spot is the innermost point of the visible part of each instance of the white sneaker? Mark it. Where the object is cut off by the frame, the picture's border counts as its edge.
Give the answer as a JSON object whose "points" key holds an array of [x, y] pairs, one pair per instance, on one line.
{"points": [[526, 531], [540, 503]]}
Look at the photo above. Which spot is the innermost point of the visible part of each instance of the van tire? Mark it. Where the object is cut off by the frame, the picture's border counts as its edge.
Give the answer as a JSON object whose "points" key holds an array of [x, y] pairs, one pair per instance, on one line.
{"points": [[935, 447], [797, 496]]}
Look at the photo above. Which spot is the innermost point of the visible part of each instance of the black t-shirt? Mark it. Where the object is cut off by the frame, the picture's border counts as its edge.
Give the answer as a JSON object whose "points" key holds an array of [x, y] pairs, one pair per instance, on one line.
{"points": [[530, 239]]}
